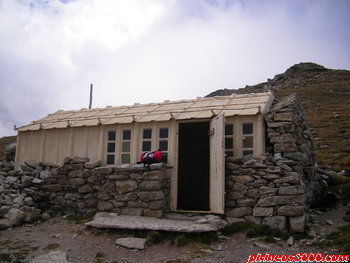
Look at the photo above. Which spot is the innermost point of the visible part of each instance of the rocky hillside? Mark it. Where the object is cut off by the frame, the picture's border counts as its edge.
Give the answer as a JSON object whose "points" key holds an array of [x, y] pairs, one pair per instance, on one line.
{"points": [[325, 94], [4, 141]]}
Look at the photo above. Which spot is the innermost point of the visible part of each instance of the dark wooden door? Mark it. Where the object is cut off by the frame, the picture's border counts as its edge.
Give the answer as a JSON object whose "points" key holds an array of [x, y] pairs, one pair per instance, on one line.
{"points": [[193, 167]]}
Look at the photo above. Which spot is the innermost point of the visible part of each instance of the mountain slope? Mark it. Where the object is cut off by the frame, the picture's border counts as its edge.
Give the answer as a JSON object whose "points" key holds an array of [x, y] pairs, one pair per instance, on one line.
{"points": [[4, 141], [325, 94]]}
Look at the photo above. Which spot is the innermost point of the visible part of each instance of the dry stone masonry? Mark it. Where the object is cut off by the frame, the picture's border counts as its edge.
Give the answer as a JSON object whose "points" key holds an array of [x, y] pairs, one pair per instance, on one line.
{"points": [[276, 188], [80, 187]]}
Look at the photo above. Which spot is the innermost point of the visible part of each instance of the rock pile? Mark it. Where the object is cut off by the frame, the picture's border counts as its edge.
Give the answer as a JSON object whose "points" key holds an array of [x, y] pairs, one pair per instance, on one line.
{"points": [[16, 205]]}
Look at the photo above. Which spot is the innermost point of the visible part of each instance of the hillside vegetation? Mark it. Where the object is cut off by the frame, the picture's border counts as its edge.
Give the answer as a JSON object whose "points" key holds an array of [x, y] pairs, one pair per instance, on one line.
{"points": [[325, 94]]}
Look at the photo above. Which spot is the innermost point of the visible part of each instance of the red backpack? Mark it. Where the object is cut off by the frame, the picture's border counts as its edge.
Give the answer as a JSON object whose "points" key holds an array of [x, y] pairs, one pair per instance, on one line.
{"points": [[147, 158]]}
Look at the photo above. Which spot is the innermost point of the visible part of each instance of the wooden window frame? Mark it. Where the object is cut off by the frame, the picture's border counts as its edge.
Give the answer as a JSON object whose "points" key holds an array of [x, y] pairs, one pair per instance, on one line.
{"points": [[248, 135], [107, 153], [167, 139], [125, 141], [230, 136]]}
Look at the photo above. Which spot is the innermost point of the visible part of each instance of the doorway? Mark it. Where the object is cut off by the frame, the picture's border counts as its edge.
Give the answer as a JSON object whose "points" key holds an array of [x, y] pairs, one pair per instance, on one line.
{"points": [[193, 166]]}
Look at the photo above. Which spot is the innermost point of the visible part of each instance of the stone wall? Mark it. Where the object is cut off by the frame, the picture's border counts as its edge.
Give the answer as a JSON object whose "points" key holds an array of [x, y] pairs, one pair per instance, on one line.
{"points": [[265, 190], [276, 188], [81, 186]]}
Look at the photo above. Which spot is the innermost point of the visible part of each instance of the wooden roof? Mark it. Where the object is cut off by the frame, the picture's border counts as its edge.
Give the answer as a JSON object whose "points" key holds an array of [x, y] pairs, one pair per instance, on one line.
{"points": [[244, 104]]}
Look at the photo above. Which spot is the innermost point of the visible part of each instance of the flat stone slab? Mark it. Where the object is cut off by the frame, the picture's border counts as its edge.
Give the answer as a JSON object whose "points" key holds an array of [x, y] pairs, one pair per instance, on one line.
{"points": [[207, 223], [131, 243], [52, 257]]}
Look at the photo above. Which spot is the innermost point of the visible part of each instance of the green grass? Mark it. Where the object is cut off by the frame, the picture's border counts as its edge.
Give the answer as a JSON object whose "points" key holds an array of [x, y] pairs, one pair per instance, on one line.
{"points": [[259, 231], [99, 257], [236, 227], [15, 251], [80, 219], [153, 237], [51, 246], [339, 239]]}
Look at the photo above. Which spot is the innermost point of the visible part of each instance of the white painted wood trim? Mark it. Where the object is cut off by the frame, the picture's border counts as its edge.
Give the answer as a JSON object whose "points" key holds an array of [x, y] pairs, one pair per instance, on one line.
{"points": [[217, 164]]}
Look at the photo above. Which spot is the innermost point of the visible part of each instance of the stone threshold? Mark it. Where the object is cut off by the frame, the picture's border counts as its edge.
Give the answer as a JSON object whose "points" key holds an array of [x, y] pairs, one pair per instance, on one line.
{"points": [[208, 223]]}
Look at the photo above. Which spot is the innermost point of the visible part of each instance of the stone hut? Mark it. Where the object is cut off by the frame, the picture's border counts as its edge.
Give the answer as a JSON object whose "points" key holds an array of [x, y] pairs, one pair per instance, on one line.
{"points": [[192, 135], [242, 156]]}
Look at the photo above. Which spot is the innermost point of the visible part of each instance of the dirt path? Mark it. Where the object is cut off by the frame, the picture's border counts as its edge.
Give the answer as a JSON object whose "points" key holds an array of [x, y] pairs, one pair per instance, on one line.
{"points": [[88, 245]]}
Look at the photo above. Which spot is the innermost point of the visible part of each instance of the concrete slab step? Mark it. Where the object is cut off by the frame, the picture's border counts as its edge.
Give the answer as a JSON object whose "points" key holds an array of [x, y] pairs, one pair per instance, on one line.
{"points": [[209, 223]]}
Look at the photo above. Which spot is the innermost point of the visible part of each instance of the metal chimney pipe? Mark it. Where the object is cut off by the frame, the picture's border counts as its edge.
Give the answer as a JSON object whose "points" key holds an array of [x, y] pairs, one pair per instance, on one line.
{"points": [[90, 104]]}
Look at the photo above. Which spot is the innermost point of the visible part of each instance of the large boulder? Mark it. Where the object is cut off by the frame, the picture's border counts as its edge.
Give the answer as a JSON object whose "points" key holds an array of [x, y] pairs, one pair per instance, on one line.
{"points": [[15, 216]]}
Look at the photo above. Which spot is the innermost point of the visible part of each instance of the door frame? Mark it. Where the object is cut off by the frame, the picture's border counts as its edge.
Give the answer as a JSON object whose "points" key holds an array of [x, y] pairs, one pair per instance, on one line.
{"points": [[174, 175]]}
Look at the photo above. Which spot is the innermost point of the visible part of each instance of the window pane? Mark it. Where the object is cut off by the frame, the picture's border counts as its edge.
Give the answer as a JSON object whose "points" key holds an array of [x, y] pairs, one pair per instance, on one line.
{"points": [[247, 128], [111, 136], [125, 158], [163, 133], [111, 147], [146, 146], [229, 129], [228, 143], [110, 158], [126, 135], [163, 145], [247, 152], [228, 154], [126, 147], [147, 133], [248, 142]]}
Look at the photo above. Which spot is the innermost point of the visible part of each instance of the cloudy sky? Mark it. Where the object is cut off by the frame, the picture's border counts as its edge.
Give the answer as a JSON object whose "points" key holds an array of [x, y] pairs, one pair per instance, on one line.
{"points": [[151, 50]]}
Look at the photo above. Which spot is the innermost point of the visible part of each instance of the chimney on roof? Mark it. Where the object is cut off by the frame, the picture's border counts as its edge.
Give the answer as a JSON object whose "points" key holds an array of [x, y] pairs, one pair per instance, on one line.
{"points": [[90, 103]]}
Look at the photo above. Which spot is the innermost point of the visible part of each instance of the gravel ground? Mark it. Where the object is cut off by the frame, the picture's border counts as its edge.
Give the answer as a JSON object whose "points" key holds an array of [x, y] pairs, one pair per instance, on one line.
{"points": [[89, 245]]}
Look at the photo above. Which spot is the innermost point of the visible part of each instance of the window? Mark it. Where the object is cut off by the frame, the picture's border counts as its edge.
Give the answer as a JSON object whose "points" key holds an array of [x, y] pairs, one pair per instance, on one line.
{"points": [[163, 143], [147, 140], [229, 140], [111, 141], [126, 146], [247, 139]]}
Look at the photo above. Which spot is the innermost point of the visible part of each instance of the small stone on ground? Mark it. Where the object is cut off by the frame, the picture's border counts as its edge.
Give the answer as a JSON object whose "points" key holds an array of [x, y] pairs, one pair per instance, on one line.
{"points": [[131, 243], [52, 257]]}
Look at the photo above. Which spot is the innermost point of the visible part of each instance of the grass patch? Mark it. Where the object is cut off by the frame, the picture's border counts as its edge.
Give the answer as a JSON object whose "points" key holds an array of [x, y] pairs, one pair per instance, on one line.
{"points": [[236, 227], [15, 251], [195, 238], [100, 254], [198, 249], [259, 231], [99, 257], [153, 237], [81, 218], [333, 235], [52, 246], [177, 261], [340, 239], [336, 180], [256, 230], [181, 241], [280, 234], [299, 236], [270, 239]]}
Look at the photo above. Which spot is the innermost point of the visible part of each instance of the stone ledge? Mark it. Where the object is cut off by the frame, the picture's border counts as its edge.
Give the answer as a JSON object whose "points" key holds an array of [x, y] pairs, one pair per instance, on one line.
{"points": [[113, 221], [138, 167]]}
